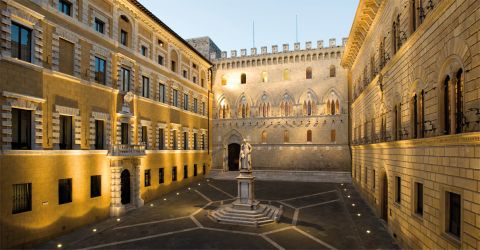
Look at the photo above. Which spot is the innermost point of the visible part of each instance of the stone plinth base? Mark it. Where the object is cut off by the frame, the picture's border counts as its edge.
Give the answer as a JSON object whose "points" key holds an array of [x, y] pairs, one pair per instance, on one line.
{"points": [[240, 214]]}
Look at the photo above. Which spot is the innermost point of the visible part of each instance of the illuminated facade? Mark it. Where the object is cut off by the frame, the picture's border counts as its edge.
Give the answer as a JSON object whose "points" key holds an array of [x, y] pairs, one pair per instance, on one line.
{"points": [[292, 103], [414, 90], [103, 108]]}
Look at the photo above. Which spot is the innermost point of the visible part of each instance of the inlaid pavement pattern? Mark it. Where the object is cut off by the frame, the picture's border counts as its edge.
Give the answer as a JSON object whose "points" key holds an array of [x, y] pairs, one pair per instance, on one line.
{"points": [[316, 216]]}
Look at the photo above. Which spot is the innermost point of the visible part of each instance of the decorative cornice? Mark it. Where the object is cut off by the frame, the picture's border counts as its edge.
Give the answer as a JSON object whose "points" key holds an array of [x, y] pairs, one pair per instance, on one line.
{"points": [[364, 17]]}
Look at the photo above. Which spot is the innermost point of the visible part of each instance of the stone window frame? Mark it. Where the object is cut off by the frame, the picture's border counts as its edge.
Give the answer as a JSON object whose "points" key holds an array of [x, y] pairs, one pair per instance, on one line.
{"points": [[147, 124], [102, 117], [19, 101], [203, 140], [189, 135], [143, 42], [105, 54], [146, 72], [130, 121], [192, 137], [75, 9], [15, 12], [413, 195], [162, 125], [161, 80], [163, 53], [76, 124], [102, 16], [443, 214], [124, 62], [62, 33], [174, 127]]}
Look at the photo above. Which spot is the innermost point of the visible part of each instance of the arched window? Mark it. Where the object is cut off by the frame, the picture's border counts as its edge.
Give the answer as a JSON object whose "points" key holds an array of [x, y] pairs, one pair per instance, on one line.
{"points": [[332, 106], [421, 112], [413, 15], [414, 118], [446, 105], [309, 108], [396, 35], [337, 107], [264, 137], [243, 78], [397, 128], [459, 101], [332, 71], [285, 136], [308, 73], [264, 76], [125, 29], [286, 74], [309, 135], [328, 108], [224, 80], [174, 61]]}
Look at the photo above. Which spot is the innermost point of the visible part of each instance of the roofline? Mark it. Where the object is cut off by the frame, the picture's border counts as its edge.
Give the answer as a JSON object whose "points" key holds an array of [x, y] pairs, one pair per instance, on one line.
{"points": [[159, 22]]}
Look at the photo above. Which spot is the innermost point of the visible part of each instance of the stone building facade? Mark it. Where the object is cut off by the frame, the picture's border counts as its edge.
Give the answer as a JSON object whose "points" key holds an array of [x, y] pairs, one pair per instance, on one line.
{"points": [[291, 104], [206, 47], [103, 108], [414, 87]]}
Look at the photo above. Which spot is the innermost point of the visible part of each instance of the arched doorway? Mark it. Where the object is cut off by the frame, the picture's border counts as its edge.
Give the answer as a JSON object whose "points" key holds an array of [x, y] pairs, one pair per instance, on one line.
{"points": [[385, 198], [233, 156], [125, 181]]}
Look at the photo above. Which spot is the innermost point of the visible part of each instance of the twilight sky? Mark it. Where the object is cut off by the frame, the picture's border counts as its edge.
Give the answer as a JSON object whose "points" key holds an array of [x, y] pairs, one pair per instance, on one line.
{"points": [[230, 22]]}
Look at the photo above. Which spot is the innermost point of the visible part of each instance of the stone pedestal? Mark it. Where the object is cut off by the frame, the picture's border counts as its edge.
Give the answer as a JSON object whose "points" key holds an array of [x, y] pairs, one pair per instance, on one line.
{"points": [[245, 210]]}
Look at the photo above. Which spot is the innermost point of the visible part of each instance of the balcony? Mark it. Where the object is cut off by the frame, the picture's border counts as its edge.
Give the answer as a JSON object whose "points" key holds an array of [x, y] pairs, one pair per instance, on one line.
{"points": [[126, 150]]}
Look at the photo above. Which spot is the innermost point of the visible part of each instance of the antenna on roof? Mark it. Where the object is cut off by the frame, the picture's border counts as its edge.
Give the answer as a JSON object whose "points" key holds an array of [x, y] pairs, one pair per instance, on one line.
{"points": [[253, 34]]}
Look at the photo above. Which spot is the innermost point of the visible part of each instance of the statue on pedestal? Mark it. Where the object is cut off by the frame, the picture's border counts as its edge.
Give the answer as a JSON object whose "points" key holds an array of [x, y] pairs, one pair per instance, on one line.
{"points": [[245, 156]]}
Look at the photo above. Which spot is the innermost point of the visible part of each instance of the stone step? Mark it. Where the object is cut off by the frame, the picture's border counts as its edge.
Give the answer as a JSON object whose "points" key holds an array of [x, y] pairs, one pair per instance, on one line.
{"points": [[264, 214], [287, 175]]}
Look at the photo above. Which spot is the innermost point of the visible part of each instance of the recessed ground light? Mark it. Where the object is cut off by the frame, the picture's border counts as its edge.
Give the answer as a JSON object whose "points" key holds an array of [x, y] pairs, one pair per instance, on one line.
{"points": [[359, 214], [208, 180], [368, 231], [353, 204], [341, 184], [178, 193], [188, 188], [59, 245], [344, 189], [199, 184], [151, 204], [118, 219], [348, 196], [164, 199], [94, 230]]}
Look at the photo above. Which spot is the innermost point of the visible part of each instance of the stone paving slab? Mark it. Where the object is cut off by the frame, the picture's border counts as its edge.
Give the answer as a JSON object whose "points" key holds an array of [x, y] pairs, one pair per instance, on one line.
{"points": [[316, 216]]}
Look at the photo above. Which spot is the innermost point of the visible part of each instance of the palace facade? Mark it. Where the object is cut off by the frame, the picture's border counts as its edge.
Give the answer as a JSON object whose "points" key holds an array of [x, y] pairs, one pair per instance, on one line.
{"points": [[414, 71], [103, 108], [287, 103]]}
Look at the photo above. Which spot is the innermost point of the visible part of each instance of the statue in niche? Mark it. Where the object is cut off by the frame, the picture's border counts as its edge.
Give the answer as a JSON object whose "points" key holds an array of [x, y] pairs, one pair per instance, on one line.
{"points": [[245, 156]]}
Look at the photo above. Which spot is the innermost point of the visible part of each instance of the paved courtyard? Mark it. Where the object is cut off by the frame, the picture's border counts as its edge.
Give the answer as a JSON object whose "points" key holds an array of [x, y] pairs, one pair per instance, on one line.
{"points": [[316, 216]]}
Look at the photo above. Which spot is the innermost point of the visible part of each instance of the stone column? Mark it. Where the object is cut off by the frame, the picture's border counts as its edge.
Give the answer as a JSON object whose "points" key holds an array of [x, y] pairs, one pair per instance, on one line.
{"points": [[138, 201], [116, 206]]}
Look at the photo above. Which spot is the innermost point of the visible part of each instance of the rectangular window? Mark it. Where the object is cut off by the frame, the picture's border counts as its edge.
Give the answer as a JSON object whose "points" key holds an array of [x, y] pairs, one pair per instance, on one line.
{"points": [[144, 50], [21, 42], [204, 168], [195, 141], [418, 198], [124, 133], [95, 186], [21, 129], [174, 173], [202, 82], [64, 191], [185, 74], [65, 7], [125, 84], [185, 172], [195, 170], [99, 134], [99, 26], [161, 139], [66, 56], [147, 178], [100, 70], [22, 198], [398, 189], [185, 101], [161, 176], [194, 79], [175, 98], [185, 140], [145, 135], [203, 141], [195, 105], [66, 132], [161, 93], [203, 108], [160, 60], [374, 180], [174, 139], [174, 66], [124, 37], [453, 214], [145, 87]]}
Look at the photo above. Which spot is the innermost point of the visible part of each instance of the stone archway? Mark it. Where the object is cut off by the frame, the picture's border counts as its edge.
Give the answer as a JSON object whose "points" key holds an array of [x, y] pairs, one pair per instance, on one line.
{"points": [[233, 156], [125, 187]]}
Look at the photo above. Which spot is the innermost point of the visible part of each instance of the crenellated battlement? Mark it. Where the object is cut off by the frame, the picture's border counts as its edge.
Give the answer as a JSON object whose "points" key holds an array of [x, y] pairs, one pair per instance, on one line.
{"points": [[332, 43]]}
